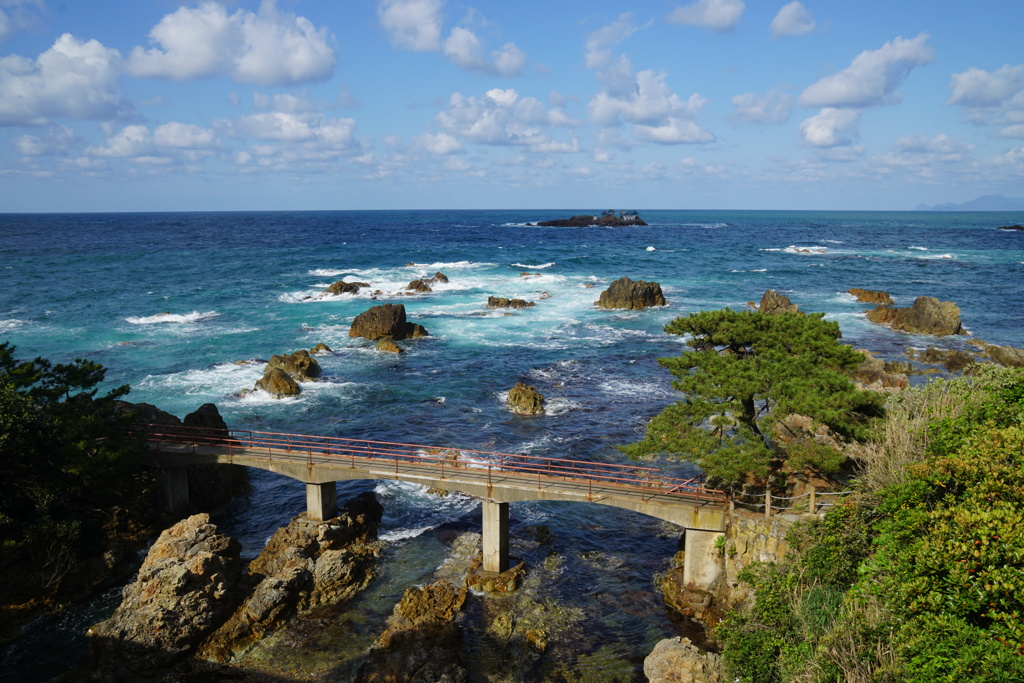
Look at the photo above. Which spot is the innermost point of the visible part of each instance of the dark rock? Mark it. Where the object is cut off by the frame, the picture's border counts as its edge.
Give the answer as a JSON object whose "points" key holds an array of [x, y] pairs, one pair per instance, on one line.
{"points": [[608, 219], [321, 348], [422, 641], [624, 293], [1006, 355], [502, 302], [1011, 227], [524, 399], [871, 296], [386, 320], [928, 315], [773, 303], [342, 287], [420, 286], [440, 277]]}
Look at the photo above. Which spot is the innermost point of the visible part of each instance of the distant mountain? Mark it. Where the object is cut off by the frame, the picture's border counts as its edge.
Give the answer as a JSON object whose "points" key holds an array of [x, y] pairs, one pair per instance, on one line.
{"points": [[990, 202]]}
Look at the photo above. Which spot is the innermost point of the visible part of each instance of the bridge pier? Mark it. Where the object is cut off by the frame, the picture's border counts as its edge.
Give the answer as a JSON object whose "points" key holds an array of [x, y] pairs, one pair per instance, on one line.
{"points": [[322, 501], [700, 566], [172, 496], [495, 536]]}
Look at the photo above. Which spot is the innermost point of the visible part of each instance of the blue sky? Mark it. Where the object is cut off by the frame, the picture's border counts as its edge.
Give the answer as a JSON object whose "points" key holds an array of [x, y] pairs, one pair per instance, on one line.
{"points": [[136, 105]]}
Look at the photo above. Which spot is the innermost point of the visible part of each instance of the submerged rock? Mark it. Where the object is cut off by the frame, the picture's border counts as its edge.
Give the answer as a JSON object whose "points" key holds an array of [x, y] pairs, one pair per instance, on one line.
{"points": [[342, 287], [871, 296], [502, 302], [524, 399], [928, 315], [386, 320], [634, 296]]}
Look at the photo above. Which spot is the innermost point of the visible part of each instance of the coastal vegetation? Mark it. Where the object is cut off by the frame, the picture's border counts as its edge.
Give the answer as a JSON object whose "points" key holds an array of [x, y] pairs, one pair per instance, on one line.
{"points": [[73, 480], [744, 374], [919, 575]]}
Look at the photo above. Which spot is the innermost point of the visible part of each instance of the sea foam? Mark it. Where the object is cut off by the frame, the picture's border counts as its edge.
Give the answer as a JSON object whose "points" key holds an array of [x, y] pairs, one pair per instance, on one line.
{"points": [[193, 317]]}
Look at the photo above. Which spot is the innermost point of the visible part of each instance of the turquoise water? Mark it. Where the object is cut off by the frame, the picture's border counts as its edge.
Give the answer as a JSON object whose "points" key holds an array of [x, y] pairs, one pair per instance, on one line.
{"points": [[186, 307]]}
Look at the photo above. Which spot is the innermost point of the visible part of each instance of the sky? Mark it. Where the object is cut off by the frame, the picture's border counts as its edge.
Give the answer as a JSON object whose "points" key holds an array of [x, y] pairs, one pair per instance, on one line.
{"points": [[158, 105]]}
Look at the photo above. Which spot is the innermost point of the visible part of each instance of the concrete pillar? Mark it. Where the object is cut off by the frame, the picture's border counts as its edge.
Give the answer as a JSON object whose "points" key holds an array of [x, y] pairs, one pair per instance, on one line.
{"points": [[321, 501], [173, 492], [495, 536], [701, 566]]}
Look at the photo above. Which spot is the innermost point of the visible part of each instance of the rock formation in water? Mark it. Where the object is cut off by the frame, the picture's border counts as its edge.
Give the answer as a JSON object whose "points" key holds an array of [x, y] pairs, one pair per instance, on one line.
{"points": [[524, 399], [773, 303], [502, 302], [342, 287], [928, 315], [870, 296], [677, 660], [874, 374], [283, 373], [386, 320], [607, 220], [634, 296], [422, 642], [424, 285]]}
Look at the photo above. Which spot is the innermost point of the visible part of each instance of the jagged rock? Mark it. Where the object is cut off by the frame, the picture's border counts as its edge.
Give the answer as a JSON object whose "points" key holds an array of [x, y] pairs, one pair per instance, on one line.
{"points": [[303, 565], [300, 365], [388, 345], [524, 399], [773, 303], [207, 418], [953, 360], [871, 296], [502, 302], [624, 293], [422, 641], [874, 374], [342, 287], [440, 277], [1006, 355], [185, 588], [386, 320], [604, 220], [677, 660], [928, 315], [278, 384], [420, 286], [321, 348]]}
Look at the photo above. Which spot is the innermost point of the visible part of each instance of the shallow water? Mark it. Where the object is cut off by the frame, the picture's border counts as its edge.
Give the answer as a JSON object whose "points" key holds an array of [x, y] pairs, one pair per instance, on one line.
{"points": [[170, 303]]}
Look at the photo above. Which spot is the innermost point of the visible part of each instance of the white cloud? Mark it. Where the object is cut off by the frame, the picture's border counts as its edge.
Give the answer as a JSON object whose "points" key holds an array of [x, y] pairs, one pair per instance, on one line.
{"points": [[599, 42], [56, 140], [502, 117], [183, 136], [978, 88], [439, 143], [718, 15], [792, 20], [773, 107], [872, 77], [264, 48], [18, 14], [673, 131], [831, 127], [130, 141], [918, 150], [72, 79], [412, 24]]}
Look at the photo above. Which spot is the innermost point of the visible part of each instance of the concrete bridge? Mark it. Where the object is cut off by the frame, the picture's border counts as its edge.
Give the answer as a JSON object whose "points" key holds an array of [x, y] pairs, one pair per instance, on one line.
{"points": [[497, 479]]}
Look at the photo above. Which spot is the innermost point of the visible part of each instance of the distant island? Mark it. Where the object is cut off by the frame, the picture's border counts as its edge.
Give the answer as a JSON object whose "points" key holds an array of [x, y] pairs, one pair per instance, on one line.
{"points": [[990, 202], [606, 219]]}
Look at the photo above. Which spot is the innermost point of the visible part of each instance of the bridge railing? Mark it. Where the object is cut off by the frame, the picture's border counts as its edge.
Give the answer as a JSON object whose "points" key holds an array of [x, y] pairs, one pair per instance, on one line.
{"points": [[364, 452]]}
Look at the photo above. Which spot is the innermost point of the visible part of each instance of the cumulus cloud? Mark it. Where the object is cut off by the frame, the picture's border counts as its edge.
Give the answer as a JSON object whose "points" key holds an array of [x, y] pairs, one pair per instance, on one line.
{"points": [[439, 143], [412, 24], [159, 146], [18, 14], [831, 127], [265, 48], [978, 88], [463, 49], [718, 15], [753, 108], [792, 20], [502, 117], [72, 79], [56, 140], [873, 76], [599, 43], [919, 150]]}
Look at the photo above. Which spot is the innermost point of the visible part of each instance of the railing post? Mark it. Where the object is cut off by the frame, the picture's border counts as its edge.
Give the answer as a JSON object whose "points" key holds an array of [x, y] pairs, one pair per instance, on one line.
{"points": [[768, 503], [813, 505]]}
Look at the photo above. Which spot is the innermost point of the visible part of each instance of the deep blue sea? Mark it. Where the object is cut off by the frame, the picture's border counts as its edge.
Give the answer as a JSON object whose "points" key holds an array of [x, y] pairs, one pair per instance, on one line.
{"points": [[187, 307]]}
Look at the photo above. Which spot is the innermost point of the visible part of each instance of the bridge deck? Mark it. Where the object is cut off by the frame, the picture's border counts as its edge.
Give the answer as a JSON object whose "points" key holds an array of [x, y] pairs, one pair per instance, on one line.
{"points": [[500, 477]]}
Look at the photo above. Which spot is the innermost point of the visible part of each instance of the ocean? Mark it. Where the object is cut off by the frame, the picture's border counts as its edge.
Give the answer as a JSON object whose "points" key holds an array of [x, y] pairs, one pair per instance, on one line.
{"points": [[187, 307]]}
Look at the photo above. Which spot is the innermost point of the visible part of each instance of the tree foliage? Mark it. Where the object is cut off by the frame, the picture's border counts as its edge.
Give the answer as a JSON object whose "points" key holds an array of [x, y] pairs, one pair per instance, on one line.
{"points": [[746, 372]]}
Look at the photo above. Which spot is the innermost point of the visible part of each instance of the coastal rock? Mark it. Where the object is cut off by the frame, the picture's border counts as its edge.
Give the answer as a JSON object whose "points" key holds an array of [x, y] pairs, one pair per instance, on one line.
{"points": [[342, 287], [420, 286], [874, 374], [303, 565], [299, 365], [1011, 227], [871, 296], [388, 345], [502, 302], [422, 641], [321, 349], [677, 660], [773, 303], [440, 277], [928, 315], [953, 360], [1006, 355], [278, 384], [524, 399], [625, 293], [606, 219], [185, 588], [386, 320]]}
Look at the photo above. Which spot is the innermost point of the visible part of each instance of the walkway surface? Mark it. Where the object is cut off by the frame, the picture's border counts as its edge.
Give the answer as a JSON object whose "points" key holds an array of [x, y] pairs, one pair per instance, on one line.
{"points": [[501, 477]]}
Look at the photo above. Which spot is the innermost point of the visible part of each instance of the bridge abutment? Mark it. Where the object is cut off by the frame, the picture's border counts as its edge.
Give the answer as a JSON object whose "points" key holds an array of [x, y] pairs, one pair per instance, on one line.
{"points": [[322, 501], [172, 496], [495, 536], [700, 566]]}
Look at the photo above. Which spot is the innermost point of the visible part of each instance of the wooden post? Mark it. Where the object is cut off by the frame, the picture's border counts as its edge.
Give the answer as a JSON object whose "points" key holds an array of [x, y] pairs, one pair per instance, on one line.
{"points": [[768, 503], [813, 502]]}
